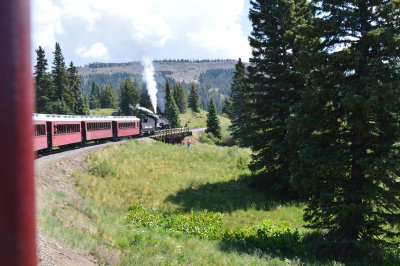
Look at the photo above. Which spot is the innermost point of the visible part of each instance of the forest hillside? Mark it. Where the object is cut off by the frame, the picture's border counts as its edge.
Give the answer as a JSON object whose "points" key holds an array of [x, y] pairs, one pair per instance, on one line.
{"points": [[212, 77]]}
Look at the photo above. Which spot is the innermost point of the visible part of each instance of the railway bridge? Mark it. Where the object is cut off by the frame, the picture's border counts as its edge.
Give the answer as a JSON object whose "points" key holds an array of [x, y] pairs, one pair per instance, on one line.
{"points": [[174, 135]]}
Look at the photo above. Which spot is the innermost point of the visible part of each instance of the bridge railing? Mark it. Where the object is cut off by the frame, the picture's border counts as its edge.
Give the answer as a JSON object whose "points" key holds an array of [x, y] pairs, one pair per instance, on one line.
{"points": [[172, 133]]}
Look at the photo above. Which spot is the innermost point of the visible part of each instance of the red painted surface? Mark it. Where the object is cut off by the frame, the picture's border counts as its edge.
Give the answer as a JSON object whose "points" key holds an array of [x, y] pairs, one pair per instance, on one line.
{"points": [[17, 207], [98, 134], [40, 142], [129, 131], [67, 138]]}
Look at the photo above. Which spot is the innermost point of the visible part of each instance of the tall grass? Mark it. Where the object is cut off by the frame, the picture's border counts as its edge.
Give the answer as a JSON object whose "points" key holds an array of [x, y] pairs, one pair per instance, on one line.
{"points": [[164, 204], [171, 180]]}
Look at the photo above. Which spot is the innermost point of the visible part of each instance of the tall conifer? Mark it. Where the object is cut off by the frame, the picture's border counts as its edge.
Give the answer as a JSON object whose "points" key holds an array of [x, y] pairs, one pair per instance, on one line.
{"points": [[193, 99], [74, 85], [43, 84], [145, 100], [180, 98], [276, 86], [237, 110], [94, 98], [348, 122], [213, 125], [171, 109], [129, 95], [108, 99], [60, 80]]}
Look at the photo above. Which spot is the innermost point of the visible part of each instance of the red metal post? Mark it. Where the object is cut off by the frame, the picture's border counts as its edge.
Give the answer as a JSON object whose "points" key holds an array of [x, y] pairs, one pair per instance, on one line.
{"points": [[17, 208]]}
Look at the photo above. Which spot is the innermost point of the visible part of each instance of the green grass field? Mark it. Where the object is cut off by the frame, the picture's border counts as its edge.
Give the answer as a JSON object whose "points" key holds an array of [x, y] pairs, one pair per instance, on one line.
{"points": [[196, 120], [103, 112], [156, 203], [170, 180]]}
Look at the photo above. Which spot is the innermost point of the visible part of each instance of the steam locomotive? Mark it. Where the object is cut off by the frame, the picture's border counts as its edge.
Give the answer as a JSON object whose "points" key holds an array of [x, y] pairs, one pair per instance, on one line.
{"points": [[66, 130]]}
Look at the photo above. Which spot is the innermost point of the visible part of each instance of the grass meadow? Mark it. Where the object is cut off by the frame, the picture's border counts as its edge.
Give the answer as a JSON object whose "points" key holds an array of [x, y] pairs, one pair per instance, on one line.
{"points": [[168, 180], [103, 112], [156, 203]]}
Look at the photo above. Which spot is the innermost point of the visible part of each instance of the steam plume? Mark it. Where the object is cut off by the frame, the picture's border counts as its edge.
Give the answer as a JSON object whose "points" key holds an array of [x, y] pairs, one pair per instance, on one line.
{"points": [[138, 107], [148, 76]]}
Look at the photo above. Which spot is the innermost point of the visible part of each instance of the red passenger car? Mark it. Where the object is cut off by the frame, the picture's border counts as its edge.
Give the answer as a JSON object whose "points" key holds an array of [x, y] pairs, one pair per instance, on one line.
{"points": [[39, 133], [96, 128], [125, 126], [64, 129]]}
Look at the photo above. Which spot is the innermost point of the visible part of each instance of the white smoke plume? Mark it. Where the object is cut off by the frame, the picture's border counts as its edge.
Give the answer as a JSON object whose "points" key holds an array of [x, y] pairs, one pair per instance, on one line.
{"points": [[148, 76], [138, 107]]}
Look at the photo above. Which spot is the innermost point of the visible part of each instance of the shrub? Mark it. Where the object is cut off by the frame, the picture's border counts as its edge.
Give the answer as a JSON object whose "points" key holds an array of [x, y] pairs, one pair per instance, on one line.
{"points": [[268, 235]]}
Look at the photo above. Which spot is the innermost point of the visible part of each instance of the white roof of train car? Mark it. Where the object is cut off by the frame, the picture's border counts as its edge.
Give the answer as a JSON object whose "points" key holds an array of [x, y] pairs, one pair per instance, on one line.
{"points": [[73, 118]]}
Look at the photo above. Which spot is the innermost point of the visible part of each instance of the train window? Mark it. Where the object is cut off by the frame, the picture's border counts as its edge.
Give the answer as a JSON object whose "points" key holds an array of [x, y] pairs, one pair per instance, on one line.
{"points": [[40, 130], [128, 125], [66, 129], [99, 126]]}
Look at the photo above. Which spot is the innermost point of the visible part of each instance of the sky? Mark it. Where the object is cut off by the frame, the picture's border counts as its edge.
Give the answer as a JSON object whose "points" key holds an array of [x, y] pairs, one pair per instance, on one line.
{"points": [[128, 30]]}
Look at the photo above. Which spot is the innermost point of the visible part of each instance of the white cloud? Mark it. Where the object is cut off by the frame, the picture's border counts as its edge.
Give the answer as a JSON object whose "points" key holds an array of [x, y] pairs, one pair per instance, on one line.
{"points": [[46, 22], [201, 29], [96, 51]]}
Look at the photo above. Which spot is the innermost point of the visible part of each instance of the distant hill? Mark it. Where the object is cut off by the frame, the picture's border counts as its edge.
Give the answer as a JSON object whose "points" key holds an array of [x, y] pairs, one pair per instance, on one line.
{"points": [[179, 70], [212, 77]]}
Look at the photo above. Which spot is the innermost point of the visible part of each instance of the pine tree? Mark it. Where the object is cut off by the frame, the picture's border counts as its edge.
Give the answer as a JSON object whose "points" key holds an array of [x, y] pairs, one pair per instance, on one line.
{"points": [[40, 67], [108, 99], [129, 96], [94, 98], [82, 105], [226, 108], [60, 80], [276, 86], [193, 99], [348, 122], [171, 109], [237, 110], [74, 85], [58, 107], [213, 125], [180, 98], [45, 91], [145, 100]]}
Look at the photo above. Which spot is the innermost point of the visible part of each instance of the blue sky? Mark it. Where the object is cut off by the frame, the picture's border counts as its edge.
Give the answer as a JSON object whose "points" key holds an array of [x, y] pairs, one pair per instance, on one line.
{"points": [[128, 30]]}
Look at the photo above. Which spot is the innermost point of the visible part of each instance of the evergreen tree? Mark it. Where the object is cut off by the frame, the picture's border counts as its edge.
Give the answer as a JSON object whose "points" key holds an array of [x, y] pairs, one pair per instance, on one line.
{"points": [[145, 100], [82, 105], [213, 125], [193, 99], [74, 85], [58, 107], [94, 98], [60, 80], [180, 98], [40, 67], [108, 99], [129, 96], [237, 109], [348, 122], [226, 108], [276, 86], [171, 109], [43, 83]]}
